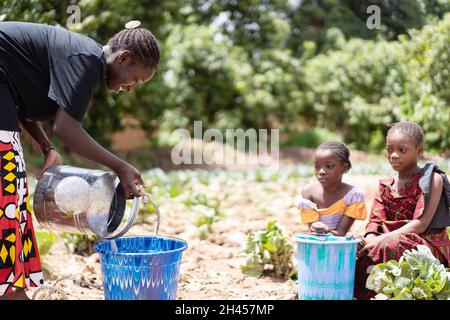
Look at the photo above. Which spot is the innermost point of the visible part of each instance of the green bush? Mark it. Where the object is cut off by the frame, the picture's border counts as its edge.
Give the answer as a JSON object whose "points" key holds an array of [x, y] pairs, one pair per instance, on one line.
{"points": [[366, 85], [310, 138], [274, 64], [428, 62], [348, 87]]}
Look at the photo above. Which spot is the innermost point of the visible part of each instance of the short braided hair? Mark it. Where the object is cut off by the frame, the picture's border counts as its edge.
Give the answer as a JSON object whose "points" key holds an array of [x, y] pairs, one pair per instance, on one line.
{"points": [[339, 149], [410, 128], [141, 42]]}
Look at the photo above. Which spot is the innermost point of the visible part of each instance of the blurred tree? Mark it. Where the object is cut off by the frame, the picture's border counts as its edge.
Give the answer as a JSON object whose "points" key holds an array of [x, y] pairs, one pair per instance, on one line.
{"points": [[311, 19], [368, 84], [101, 20], [428, 56], [252, 24], [273, 63]]}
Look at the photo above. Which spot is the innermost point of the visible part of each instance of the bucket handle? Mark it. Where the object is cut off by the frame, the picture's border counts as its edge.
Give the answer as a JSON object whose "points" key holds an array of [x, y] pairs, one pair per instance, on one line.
{"points": [[322, 236], [310, 233]]}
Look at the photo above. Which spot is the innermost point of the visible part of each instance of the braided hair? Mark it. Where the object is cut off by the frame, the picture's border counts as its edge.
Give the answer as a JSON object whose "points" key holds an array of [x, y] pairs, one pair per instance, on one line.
{"points": [[339, 149], [410, 128], [141, 42]]}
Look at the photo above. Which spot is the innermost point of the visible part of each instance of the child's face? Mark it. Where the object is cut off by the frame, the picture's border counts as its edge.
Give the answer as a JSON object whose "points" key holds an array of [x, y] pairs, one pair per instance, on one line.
{"points": [[124, 74], [328, 167], [401, 150]]}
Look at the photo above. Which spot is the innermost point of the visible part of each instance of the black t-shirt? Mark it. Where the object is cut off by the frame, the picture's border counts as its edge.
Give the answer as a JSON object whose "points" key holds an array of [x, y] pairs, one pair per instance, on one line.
{"points": [[47, 66]]}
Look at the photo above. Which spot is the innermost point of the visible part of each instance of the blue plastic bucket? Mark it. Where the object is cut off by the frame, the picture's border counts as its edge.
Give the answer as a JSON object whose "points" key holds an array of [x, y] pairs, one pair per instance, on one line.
{"points": [[140, 268], [326, 266]]}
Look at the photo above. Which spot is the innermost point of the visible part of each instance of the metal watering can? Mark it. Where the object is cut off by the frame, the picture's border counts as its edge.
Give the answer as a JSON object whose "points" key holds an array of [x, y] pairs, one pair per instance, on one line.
{"points": [[84, 201]]}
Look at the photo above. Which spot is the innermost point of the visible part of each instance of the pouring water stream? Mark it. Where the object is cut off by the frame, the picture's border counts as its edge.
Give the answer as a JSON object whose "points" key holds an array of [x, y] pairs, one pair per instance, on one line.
{"points": [[145, 197]]}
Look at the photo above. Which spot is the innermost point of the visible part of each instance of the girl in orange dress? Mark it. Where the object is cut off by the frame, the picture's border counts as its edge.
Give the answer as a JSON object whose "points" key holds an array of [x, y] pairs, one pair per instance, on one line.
{"points": [[331, 205]]}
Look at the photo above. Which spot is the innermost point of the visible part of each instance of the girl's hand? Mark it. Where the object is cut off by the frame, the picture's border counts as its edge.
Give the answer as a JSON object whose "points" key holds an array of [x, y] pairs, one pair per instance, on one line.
{"points": [[364, 240], [349, 235], [319, 227], [52, 158], [131, 179], [369, 243], [362, 243]]}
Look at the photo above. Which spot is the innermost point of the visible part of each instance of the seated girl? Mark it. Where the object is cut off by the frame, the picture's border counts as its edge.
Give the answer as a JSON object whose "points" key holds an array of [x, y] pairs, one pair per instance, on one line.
{"points": [[400, 218], [330, 205]]}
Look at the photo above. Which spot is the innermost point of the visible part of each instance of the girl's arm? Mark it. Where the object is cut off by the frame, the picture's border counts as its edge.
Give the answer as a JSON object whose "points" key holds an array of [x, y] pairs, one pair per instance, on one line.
{"points": [[417, 225], [355, 209], [421, 224], [306, 194], [343, 227], [35, 130], [377, 215], [76, 138]]}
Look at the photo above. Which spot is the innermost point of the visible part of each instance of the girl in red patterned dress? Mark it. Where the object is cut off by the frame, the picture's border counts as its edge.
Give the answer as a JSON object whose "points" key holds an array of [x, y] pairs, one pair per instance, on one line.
{"points": [[399, 219]]}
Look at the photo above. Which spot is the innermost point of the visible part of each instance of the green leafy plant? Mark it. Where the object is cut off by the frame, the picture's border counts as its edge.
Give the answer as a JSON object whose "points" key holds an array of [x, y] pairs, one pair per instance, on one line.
{"points": [[271, 248], [418, 275], [204, 211], [81, 244], [45, 241]]}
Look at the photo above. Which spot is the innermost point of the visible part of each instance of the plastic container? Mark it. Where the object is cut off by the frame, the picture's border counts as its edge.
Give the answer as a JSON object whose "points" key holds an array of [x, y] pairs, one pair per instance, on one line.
{"points": [[326, 266], [140, 268]]}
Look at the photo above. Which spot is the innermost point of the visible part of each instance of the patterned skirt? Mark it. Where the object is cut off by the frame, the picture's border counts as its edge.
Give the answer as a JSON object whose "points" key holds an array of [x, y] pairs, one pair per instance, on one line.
{"points": [[20, 265]]}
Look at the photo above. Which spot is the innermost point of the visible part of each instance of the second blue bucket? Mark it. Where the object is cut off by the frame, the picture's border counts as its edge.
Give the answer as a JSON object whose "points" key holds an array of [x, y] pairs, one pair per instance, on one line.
{"points": [[140, 268], [326, 266]]}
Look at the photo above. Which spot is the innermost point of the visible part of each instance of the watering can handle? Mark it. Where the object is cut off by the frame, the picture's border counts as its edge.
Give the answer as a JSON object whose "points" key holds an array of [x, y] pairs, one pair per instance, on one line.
{"points": [[134, 211]]}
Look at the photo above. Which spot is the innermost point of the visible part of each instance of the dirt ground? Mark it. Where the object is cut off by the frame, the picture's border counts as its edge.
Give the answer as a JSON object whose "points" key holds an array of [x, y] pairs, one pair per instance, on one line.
{"points": [[210, 267]]}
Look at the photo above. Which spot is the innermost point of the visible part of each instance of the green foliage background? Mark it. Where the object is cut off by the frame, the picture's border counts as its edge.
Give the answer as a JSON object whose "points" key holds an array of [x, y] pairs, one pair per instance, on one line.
{"points": [[287, 64]]}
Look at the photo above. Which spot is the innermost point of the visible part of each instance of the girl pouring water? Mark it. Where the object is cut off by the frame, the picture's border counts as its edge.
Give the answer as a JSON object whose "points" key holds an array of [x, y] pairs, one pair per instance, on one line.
{"points": [[50, 73]]}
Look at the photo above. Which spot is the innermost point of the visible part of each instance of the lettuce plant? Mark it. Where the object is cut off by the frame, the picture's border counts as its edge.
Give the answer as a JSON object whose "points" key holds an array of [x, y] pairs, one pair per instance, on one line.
{"points": [[418, 275], [270, 247], [204, 211]]}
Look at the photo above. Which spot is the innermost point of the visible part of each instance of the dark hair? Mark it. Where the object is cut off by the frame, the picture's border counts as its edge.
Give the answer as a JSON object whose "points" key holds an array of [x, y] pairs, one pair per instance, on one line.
{"points": [[410, 128], [141, 42], [339, 149]]}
